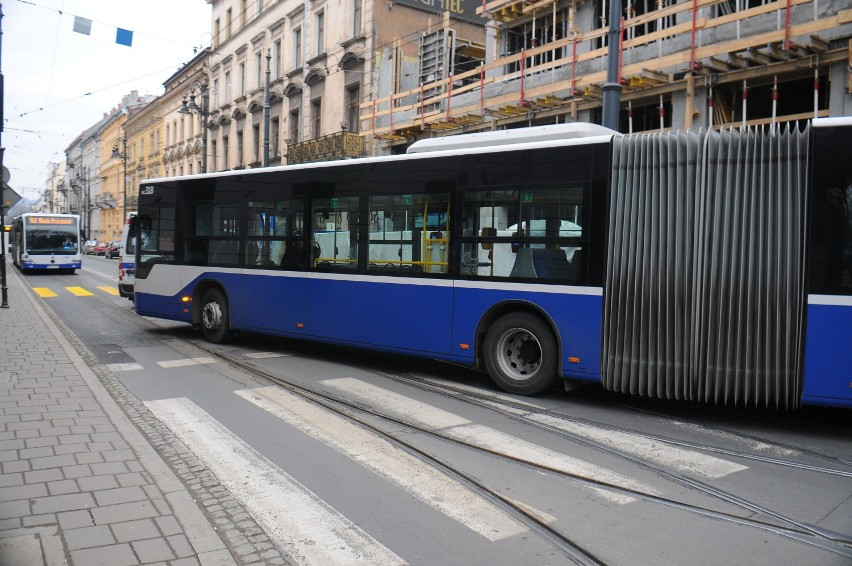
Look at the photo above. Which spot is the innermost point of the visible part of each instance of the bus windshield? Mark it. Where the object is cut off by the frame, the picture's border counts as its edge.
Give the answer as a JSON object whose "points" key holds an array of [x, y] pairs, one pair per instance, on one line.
{"points": [[46, 239]]}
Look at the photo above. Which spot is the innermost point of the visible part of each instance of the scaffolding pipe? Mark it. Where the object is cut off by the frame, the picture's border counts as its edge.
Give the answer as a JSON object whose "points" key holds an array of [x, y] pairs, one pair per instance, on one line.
{"points": [[774, 99], [816, 92], [710, 107]]}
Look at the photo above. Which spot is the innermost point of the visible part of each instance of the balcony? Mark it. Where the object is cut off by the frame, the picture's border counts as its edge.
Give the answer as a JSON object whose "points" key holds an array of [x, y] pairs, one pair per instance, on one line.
{"points": [[340, 145]]}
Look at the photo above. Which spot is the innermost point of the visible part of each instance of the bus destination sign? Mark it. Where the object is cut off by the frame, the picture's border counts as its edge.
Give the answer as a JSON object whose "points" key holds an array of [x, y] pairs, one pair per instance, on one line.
{"points": [[52, 220]]}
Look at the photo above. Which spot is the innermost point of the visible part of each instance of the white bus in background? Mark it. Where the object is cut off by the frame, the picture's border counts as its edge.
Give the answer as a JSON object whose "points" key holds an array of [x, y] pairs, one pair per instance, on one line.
{"points": [[127, 260], [46, 242]]}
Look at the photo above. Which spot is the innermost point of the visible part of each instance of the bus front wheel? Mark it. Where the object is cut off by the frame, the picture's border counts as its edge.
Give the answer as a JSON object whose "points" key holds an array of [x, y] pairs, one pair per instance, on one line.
{"points": [[215, 318], [520, 354]]}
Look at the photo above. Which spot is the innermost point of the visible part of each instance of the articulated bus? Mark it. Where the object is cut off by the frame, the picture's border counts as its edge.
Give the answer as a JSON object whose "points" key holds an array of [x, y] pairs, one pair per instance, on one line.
{"points": [[711, 266], [46, 242]]}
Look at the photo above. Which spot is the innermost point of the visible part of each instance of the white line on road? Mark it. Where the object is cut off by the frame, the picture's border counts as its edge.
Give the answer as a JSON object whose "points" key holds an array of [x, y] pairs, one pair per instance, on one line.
{"points": [[395, 465], [463, 430], [302, 523], [661, 452], [185, 362]]}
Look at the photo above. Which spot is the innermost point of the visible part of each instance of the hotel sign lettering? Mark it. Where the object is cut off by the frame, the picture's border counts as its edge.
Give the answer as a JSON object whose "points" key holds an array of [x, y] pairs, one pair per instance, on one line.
{"points": [[458, 9]]}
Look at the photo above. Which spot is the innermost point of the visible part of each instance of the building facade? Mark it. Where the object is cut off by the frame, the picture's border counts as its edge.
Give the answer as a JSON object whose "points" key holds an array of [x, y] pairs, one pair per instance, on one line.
{"points": [[680, 65]]}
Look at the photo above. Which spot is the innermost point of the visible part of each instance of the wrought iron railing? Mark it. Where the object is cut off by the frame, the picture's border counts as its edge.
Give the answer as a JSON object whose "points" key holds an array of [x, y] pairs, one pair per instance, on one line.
{"points": [[340, 145]]}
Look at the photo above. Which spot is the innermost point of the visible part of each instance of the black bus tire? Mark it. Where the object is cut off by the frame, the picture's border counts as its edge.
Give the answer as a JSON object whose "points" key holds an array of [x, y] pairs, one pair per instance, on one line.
{"points": [[521, 354], [215, 317]]}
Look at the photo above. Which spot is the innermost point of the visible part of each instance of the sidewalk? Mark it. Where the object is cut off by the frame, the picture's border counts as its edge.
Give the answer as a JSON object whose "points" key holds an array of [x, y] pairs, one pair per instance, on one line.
{"points": [[80, 484]]}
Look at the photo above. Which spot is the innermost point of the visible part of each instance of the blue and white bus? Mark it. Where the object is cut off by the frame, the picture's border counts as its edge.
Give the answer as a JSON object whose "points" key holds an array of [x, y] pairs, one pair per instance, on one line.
{"points": [[46, 242], [702, 266]]}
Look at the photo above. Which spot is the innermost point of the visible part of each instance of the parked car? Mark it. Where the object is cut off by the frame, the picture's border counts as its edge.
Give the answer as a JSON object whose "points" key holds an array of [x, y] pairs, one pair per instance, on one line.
{"points": [[100, 248], [113, 249], [89, 246]]}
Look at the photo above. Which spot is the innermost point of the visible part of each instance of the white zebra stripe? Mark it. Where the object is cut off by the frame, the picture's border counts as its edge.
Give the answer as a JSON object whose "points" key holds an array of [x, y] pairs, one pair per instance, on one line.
{"points": [[463, 430], [398, 467], [299, 521]]}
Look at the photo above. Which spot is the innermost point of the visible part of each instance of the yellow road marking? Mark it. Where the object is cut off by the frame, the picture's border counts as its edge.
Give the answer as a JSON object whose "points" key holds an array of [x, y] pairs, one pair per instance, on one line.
{"points": [[44, 292], [110, 290], [79, 291]]}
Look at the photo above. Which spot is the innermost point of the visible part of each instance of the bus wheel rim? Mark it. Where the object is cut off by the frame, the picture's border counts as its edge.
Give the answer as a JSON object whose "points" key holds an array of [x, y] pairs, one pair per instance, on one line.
{"points": [[212, 315], [519, 354]]}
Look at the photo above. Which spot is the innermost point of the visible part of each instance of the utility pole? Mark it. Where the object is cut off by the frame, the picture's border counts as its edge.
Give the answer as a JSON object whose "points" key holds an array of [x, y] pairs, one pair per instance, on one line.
{"points": [[4, 292]]}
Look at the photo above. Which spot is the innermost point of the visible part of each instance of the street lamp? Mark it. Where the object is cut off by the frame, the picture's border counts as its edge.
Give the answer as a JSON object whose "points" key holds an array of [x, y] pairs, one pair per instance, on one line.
{"points": [[123, 155], [204, 111]]}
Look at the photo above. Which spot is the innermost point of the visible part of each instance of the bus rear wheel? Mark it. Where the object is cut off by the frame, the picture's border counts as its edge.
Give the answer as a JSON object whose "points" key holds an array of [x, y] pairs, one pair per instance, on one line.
{"points": [[520, 354], [215, 317]]}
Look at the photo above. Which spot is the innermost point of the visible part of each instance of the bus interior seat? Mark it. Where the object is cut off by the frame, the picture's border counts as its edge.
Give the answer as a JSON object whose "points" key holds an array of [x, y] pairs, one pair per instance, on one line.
{"points": [[523, 267], [551, 263], [224, 251]]}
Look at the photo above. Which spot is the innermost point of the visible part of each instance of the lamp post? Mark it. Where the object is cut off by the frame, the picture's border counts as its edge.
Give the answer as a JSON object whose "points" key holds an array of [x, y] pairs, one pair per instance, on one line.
{"points": [[123, 155], [204, 111]]}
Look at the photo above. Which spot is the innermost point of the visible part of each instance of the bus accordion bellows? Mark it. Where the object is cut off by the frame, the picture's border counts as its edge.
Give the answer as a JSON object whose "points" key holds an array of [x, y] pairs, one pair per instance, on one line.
{"points": [[46, 242], [705, 266]]}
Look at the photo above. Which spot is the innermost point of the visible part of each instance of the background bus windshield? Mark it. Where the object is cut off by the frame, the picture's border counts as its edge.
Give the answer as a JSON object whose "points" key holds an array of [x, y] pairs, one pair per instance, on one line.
{"points": [[51, 238]]}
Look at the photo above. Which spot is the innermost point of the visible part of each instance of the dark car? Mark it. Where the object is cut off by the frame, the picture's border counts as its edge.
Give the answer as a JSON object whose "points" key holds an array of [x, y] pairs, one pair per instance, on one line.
{"points": [[100, 248], [113, 249]]}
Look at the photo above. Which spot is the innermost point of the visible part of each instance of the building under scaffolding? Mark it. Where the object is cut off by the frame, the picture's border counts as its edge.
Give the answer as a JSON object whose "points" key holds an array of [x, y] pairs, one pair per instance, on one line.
{"points": [[682, 65]]}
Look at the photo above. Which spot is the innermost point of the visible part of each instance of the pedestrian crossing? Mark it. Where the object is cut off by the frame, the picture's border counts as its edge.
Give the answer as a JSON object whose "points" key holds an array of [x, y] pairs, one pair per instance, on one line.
{"points": [[47, 292], [314, 532]]}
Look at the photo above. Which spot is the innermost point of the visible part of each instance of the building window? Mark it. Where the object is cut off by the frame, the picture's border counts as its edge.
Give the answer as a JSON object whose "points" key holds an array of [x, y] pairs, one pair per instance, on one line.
{"points": [[356, 18], [297, 47], [211, 162], [294, 126], [316, 117], [320, 30], [243, 10], [353, 99], [225, 154], [227, 86], [215, 92], [216, 38], [240, 148], [277, 54], [259, 7], [259, 65], [258, 143], [228, 16], [273, 136], [242, 78]]}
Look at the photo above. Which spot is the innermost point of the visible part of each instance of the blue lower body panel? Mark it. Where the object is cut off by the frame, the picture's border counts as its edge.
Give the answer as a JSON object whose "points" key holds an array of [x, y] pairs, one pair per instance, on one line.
{"points": [[828, 356]]}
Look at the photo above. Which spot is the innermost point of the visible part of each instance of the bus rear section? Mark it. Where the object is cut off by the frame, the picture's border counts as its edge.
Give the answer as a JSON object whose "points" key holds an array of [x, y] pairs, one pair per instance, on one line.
{"points": [[127, 260], [46, 242], [729, 266]]}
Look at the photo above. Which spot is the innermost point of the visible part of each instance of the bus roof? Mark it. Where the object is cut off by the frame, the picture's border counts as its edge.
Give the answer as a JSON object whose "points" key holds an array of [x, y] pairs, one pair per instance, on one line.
{"points": [[553, 135], [552, 132]]}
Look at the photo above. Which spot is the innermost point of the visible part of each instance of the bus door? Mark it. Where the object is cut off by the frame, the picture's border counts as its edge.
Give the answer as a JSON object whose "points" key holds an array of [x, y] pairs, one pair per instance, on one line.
{"points": [[828, 377], [401, 242], [272, 296]]}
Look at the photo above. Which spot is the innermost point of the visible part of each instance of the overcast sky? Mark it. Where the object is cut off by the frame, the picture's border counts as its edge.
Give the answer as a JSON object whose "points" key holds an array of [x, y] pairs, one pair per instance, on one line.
{"points": [[59, 82]]}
